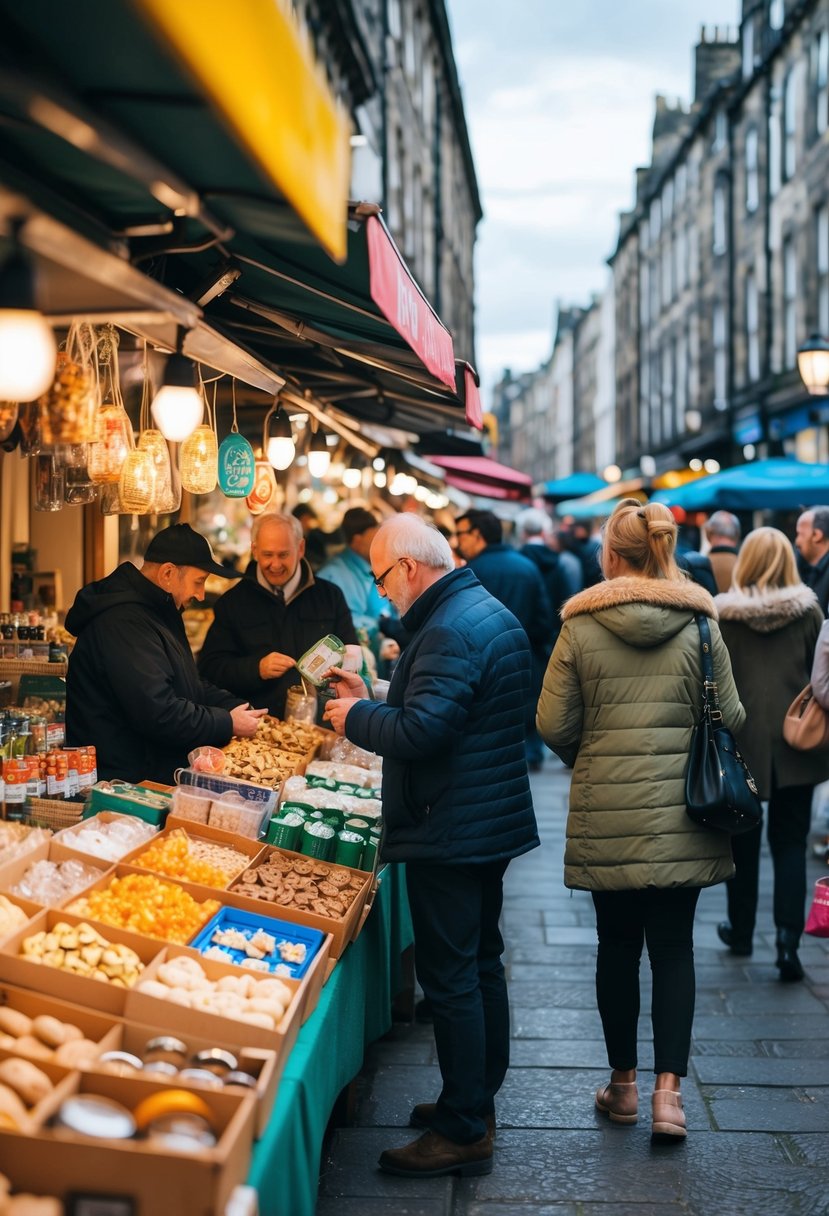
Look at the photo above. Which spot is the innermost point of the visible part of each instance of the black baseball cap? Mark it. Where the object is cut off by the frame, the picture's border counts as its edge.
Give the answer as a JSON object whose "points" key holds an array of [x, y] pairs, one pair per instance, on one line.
{"points": [[182, 546]]}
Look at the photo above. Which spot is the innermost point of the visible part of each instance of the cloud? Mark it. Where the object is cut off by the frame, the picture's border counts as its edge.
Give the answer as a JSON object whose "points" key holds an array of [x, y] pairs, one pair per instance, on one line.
{"points": [[559, 102]]}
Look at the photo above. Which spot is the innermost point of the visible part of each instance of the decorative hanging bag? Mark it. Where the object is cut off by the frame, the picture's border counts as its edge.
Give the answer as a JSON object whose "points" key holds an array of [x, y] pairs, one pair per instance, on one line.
{"points": [[236, 461], [68, 410], [720, 792], [806, 724], [137, 484], [114, 436]]}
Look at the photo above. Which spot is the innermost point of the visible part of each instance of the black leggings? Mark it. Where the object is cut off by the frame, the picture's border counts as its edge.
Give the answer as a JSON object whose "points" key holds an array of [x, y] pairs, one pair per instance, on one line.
{"points": [[625, 920]]}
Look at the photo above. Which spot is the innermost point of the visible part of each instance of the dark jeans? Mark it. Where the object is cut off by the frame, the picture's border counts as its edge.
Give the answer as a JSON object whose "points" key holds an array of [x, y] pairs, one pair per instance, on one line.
{"points": [[664, 919], [458, 946], [789, 817]]}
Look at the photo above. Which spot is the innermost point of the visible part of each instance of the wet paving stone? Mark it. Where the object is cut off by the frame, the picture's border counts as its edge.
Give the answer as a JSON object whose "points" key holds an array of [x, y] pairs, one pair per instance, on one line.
{"points": [[787, 1073]]}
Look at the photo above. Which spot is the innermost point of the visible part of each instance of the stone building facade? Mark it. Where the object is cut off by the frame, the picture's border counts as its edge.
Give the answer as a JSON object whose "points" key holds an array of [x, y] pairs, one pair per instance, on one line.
{"points": [[392, 62]]}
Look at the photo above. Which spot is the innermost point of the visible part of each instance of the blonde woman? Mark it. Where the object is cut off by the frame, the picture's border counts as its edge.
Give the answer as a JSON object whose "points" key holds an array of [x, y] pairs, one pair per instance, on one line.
{"points": [[770, 622], [621, 696]]}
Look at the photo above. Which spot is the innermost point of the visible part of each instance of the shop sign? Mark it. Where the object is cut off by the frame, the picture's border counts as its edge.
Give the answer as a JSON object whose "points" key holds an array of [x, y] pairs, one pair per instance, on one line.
{"points": [[236, 466], [404, 306], [251, 60]]}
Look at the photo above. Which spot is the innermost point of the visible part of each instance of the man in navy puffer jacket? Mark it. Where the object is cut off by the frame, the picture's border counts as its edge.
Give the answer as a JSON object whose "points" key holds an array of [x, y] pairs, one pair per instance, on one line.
{"points": [[456, 809]]}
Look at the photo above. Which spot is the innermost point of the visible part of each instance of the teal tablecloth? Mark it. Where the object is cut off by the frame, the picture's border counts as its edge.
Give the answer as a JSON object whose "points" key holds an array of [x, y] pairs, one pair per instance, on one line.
{"points": [[354, 1009]]}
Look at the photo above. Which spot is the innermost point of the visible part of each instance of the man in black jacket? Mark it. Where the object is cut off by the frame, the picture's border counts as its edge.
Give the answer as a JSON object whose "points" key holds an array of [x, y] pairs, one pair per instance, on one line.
{"points": [[132, 687], [812, 544], [271, 617]]}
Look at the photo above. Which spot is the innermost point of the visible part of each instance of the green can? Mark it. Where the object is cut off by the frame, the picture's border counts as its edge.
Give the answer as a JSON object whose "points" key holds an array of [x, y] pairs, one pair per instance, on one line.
{"points": [[285, 832], [369, 855], [360, 826], [318, 840], [349, 850]]}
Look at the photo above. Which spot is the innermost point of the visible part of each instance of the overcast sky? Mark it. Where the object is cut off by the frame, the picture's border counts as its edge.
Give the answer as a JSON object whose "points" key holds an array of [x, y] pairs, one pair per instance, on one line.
{"points": [[559, 99]]}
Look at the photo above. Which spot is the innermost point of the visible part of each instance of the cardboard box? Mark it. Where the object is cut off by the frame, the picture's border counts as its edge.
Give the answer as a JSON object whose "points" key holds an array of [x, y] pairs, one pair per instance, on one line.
{"points": [[158, 1180], [264, 1064], [342, 929], [11, 870], [66, 985], [26, 906], [15, 870], [249, 849], [182, 1020], [94, 1026], [199, 893], [63, 847]]}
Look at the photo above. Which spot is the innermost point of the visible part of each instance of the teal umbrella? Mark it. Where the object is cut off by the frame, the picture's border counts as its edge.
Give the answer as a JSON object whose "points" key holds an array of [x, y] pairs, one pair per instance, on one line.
{"points": [[773, 485]]}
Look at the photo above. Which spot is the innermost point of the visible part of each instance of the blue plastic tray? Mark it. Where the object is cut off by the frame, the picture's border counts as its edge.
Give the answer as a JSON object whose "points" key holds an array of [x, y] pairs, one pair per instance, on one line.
{"points": [[248, 923]]}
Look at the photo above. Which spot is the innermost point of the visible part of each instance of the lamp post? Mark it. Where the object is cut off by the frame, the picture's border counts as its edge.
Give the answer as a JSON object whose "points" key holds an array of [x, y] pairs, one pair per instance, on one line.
{"points": [[813, 365]]}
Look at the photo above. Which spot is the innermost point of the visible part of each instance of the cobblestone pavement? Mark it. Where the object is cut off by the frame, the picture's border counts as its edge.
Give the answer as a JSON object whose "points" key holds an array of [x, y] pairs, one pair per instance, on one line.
{"points": [[757, 1097]]}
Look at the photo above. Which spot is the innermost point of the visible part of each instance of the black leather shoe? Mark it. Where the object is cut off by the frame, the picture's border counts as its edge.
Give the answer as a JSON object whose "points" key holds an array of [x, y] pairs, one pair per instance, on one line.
{"points": [[423, 1114], [788, 962], [433, 1156], [736, 945]]}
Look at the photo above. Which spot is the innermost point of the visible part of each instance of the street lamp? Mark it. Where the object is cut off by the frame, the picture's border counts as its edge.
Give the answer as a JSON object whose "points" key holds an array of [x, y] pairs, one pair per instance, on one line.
{"points": [[813, 365]]}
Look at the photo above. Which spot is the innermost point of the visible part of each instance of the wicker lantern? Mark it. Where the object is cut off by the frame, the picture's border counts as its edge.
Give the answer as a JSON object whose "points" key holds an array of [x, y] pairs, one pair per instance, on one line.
{"points": [[68, 409], [114, 437], [198, 461], [137, 482]]}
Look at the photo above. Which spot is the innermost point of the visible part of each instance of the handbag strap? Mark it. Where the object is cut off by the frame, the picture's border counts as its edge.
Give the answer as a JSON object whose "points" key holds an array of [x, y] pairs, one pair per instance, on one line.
{"points": [[710, 696]]}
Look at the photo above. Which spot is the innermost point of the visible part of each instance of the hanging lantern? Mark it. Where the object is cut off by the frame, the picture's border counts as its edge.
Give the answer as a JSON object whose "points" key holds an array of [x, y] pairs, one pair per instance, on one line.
{"points": [[8, 418], [264, 488], [167, 496], [114, 437], [137, 482], [78, 490], [68, 408], [198, 461], [236, 461], [109, 451]]}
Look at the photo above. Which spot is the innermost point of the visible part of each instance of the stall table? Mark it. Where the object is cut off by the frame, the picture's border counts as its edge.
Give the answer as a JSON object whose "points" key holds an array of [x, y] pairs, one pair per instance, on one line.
{"points": [[354, 1010]]}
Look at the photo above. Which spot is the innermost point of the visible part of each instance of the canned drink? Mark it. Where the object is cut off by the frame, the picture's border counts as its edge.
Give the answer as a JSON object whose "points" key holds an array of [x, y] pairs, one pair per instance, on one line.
{"points": [[285, 835], [349, 850], [369, 860], [317, 840]]}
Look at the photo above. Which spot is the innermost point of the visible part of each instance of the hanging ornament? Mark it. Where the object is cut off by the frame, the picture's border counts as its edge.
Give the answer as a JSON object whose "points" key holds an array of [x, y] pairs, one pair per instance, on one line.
{"points": [[264, 488], [236, 461], [165, 499], [68, 410], [199, 454], [8, 419], [137, 483], [114, 436]]}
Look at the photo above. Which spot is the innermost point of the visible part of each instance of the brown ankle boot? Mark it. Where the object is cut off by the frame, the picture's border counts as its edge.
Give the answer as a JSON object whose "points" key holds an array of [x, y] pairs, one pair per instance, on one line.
{"points": [[619, 1100], [668, 1115], [432, 1156], [423, 1114]]}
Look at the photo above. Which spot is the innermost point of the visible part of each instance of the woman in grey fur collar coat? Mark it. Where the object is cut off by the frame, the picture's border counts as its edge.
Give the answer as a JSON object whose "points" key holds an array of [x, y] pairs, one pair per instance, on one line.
{"points": [[770, 622]]}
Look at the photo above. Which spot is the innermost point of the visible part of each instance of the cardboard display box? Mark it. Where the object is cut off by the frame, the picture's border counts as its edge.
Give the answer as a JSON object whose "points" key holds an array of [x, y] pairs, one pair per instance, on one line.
{"points": [[122, 870], [249, 849], [62, 846], [12, 869], [97, 1028], [264, 1064], [65, 985], [156, 1179]]}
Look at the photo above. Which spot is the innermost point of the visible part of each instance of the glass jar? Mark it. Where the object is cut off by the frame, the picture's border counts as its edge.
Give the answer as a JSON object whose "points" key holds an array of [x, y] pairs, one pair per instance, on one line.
{"points": [[50, 483]]}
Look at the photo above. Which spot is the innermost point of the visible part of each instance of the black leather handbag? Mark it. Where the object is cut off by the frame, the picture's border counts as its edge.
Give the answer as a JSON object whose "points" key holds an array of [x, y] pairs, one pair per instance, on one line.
{"points": [[720, 792]]}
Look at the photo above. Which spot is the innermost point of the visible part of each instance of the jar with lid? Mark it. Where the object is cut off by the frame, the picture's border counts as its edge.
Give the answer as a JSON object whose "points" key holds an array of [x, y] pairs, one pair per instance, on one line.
{"points": [[20, 737]]}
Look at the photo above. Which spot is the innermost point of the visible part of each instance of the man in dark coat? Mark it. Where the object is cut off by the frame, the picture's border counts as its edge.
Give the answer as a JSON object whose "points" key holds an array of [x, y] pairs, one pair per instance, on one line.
{"points": [[517, 583], [132, 687], [456, 808], [271, 617], [812, 544]]}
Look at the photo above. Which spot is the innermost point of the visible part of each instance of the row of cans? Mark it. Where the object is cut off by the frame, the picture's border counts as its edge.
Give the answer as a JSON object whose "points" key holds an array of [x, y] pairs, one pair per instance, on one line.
{"points": [[324, 835]]}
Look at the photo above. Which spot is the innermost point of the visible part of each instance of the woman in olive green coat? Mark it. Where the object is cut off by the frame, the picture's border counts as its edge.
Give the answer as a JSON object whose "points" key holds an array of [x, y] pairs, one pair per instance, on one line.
{"points": [[621, 697], [770, 623]]}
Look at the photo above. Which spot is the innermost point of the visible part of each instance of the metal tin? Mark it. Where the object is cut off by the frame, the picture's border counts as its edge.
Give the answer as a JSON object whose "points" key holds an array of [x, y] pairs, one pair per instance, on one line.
{"points": [[215, 1059], [122, 1063], [165, 1048], [94, 1115], [181, 1130], [160, 1068], [200, 1076], [243, 1079]]}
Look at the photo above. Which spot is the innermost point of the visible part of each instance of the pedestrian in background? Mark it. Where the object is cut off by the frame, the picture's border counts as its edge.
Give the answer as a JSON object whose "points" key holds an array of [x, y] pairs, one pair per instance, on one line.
{"points": [[577, 536], [770, 623], [812, 544], [620, 700], [518, 584], [722, 531], [457, 810]]}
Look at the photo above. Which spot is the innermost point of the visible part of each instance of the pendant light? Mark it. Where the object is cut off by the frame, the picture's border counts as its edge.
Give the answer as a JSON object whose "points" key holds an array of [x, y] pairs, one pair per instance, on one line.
{"points": [[319, 454], [137, 485], [278, 446], [353, 475], [28, 351], [114, 437], [198, 460], [178, 407]]}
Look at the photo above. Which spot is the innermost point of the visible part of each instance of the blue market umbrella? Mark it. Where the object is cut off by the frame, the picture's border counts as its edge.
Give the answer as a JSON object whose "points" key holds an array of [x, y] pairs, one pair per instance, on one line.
{"points": [[773, 485], [574, 485]]}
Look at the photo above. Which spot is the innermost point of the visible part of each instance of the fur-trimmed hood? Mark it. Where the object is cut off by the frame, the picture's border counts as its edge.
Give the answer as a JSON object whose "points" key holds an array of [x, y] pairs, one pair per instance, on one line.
{"points": [[768, 610], [644, 612]]}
